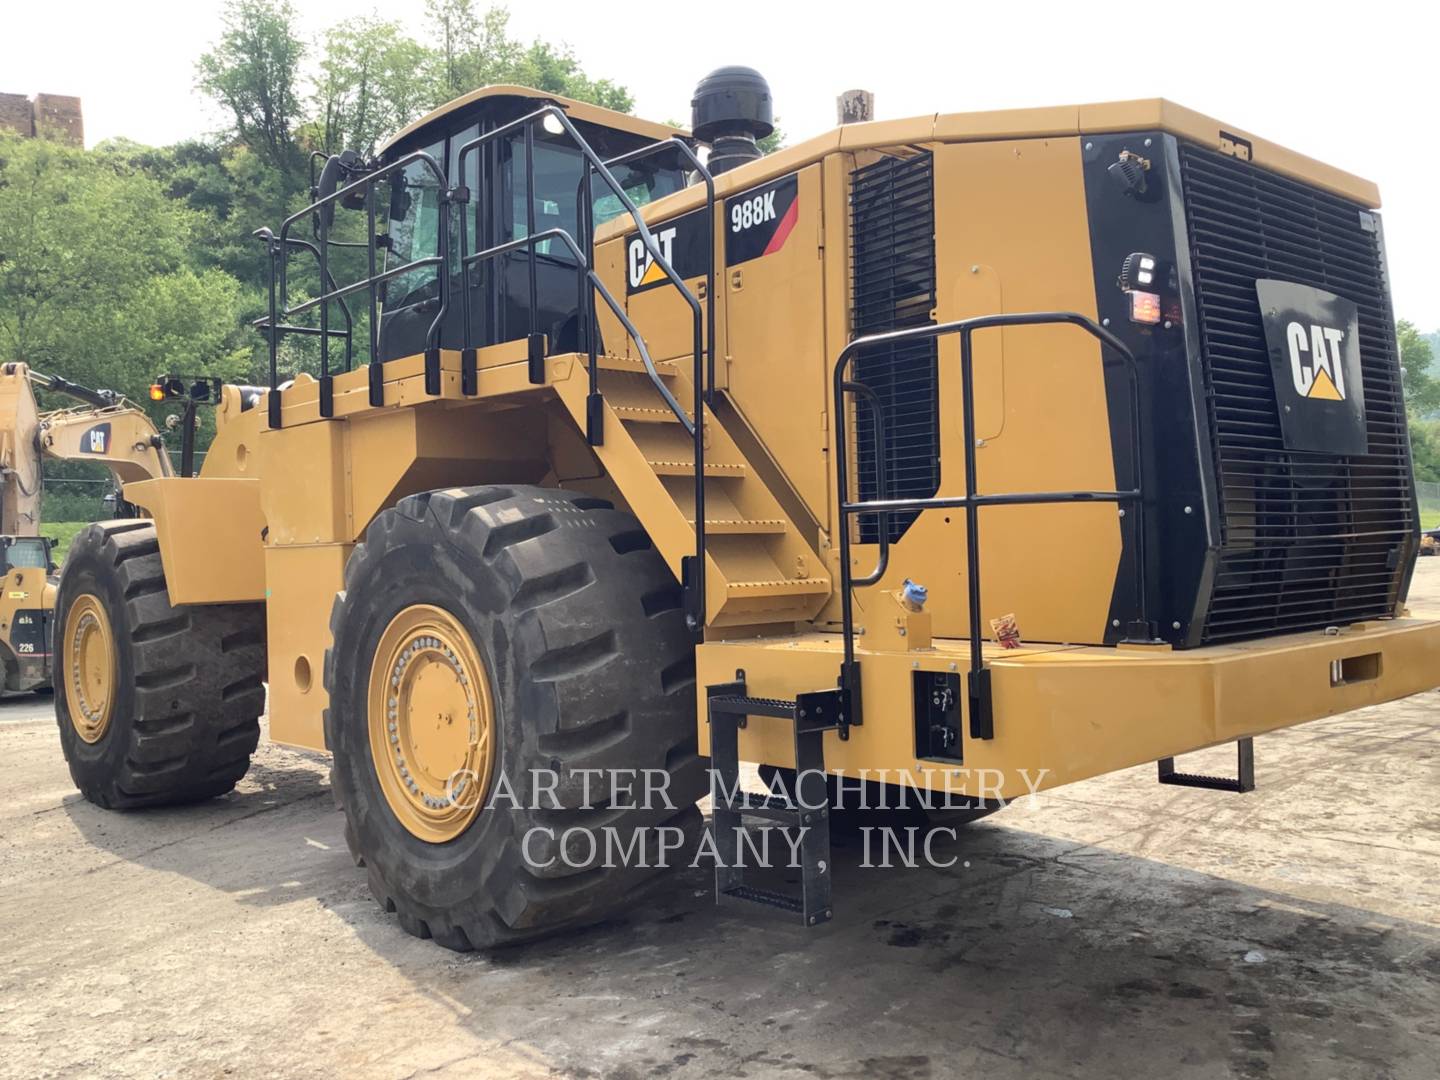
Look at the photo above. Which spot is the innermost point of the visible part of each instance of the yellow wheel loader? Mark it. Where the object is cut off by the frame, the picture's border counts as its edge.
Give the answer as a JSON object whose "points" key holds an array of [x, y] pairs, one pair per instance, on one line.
{"points": [[612, 462], [104, 428]]}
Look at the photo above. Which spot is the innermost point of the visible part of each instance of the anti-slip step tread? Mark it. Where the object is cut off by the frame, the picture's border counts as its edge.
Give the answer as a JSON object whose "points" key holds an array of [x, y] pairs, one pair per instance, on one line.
{"points": [[666, 368], [687, 468], [743, 525], [769, 898], [780, 587], [643, 414]]}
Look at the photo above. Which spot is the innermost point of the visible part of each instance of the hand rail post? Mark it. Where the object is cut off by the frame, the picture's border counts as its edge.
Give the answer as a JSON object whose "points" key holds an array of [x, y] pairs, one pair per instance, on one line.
{"points": [[982, 716], [377, 366], [536, 344], [327, 386]]}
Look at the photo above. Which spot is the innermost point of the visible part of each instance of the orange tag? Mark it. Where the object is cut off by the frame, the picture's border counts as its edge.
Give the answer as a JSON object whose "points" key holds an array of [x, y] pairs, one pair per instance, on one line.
{"points": [[1006, 631]]}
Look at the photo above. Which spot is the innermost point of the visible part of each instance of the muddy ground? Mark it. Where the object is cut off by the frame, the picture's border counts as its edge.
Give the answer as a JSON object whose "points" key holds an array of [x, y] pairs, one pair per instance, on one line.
{"points": [[1113, 928]]}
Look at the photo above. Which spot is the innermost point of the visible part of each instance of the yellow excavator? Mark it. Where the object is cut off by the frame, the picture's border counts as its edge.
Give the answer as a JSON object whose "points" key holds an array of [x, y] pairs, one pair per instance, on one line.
{"points": [[103, 427]]}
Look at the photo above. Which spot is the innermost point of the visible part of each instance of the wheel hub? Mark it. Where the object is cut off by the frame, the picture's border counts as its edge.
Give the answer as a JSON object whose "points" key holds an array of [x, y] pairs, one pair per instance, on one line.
{"points": [[90, 667], [431, 723]]}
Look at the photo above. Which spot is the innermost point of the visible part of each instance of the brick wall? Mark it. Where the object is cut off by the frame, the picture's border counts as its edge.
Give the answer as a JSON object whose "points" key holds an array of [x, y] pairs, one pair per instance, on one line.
{"points": [[17, 115], [58, 117], [51, 116]]}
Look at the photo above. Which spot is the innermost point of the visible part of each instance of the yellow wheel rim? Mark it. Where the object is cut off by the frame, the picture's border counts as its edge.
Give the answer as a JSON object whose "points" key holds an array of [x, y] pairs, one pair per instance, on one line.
{"points": [[431, 723], [89, 667]]}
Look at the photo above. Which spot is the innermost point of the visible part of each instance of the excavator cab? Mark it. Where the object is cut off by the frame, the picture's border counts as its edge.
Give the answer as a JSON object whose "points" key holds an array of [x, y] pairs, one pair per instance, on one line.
{"points": [[27, 599], [28, 553]]}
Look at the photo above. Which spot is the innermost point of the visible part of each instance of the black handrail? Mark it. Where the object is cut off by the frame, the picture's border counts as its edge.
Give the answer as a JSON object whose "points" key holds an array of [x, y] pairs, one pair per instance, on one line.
{"points": [[527, 122], [279, 293], [694, 570], [263, 322], [978, 686], [703, 388]]}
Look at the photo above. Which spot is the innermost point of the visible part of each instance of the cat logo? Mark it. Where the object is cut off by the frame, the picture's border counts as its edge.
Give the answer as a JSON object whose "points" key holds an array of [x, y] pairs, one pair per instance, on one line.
{"points": [[644, 270], [1315, 360], [1313, 338], [96, 440]]}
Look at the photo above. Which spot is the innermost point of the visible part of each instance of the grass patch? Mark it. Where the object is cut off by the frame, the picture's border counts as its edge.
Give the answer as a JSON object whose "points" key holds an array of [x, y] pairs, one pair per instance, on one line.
{"points": [[1430, 519], [62, 532]]}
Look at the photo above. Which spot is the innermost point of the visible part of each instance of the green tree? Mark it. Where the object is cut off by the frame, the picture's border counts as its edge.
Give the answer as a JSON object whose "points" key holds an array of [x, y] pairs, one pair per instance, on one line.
{"points": [[556, 70], [99, 279], [772, 142], [254, 72], [1422, 389], [372, 82]]}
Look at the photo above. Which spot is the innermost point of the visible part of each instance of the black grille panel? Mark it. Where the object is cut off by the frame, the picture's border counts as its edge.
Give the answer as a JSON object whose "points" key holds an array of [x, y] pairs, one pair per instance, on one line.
{"points": [[892, 237], [1308, 540]]}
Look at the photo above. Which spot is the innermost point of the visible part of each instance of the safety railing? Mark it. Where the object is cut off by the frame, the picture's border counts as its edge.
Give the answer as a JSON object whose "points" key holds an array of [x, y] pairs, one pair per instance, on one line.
{"points": [[693, 567], [280, 308], [981, 712]]}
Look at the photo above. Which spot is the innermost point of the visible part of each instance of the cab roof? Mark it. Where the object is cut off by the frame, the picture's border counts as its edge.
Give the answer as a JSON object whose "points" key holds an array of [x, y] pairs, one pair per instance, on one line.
{"points": [[578, 110]]}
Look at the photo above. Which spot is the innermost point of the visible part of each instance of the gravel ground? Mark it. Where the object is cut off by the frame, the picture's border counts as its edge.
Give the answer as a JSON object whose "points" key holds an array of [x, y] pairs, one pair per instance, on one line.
{"points": [[1112, 928]]}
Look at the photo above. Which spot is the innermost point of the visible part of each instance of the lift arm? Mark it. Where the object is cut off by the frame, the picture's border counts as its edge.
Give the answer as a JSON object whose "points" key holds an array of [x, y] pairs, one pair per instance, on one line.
{"points": [[104, 428]]}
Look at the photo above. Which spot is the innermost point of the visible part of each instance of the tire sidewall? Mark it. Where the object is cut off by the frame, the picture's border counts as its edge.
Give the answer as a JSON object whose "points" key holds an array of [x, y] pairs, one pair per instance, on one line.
{"points": [[452, 579], [86, 572]]}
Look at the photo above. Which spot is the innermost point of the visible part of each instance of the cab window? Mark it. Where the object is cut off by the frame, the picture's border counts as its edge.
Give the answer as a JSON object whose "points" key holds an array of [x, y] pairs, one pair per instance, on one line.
{"points": [[414, 231], [27, 554]]}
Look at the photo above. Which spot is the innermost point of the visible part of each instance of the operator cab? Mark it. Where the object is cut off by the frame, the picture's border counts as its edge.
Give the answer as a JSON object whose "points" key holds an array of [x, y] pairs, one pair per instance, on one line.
{"points": [[27, 553], [494, 174]]}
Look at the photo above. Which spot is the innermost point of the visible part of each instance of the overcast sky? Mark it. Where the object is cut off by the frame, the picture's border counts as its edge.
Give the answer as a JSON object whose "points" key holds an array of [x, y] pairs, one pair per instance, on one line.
{"points": [[1353, 85]]}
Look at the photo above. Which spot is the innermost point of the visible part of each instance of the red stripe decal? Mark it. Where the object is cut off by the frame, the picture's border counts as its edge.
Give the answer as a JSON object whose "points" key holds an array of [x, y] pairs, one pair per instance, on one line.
{"points": [[782, 231]]}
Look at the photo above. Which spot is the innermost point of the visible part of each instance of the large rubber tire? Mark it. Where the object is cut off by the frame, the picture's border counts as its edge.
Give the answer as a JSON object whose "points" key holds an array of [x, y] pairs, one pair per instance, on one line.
{"points": [[577, 622], [188, 686]]}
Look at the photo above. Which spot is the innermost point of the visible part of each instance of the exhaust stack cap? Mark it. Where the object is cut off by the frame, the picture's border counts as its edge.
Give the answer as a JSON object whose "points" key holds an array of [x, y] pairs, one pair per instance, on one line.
{"points": [[731, 101]]}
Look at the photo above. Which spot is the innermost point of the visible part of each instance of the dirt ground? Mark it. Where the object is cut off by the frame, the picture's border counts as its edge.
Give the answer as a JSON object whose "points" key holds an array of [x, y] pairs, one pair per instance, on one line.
{"points": [[1112, 928]]}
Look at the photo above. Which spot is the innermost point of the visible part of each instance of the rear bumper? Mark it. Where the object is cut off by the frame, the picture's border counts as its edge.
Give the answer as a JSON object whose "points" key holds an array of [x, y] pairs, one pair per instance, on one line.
{"points": [[1066, 713]]}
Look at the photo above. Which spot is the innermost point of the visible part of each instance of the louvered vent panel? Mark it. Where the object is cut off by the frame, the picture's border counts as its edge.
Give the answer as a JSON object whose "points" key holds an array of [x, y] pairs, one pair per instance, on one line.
{"points": [[1308, 540], [892, 231]]}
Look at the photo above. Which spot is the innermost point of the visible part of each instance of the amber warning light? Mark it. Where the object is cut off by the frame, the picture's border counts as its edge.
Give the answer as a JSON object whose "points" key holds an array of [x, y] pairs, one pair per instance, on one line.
{"points": [[157, 392], [1145, 307]]}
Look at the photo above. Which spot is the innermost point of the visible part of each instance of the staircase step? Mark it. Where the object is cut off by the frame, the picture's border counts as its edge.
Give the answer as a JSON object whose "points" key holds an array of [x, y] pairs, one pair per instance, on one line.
{"points": [[779, 587], [637, 414], [768, 897], [666, 368], [687, 468], [734, 526]]}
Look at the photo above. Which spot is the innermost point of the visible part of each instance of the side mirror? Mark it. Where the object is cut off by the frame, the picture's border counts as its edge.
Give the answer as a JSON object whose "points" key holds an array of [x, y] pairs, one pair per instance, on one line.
{"points": [[339, 168], [399, 197]]}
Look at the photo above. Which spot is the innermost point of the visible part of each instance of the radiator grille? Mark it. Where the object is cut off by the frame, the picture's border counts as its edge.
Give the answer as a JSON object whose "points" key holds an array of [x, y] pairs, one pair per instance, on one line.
{"points": [[1308, 540], [892, 236]]}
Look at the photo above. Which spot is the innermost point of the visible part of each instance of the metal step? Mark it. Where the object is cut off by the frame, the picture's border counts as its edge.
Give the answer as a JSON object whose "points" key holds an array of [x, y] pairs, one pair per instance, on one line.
{"points": [[666, 369], [743, 526], [729, 707], [779, 587], [1241, 782], [640, 414], [687, 469]]}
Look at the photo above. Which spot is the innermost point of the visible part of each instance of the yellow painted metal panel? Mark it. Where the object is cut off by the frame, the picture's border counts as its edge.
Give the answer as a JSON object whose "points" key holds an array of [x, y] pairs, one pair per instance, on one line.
{"points": [[1078, 712], [210, 537], [303, 581]]}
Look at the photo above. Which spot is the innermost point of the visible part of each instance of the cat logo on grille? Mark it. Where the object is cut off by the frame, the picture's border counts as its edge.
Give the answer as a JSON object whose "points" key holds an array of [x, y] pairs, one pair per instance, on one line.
{"points": [[1315, 360], [1313, 338]]}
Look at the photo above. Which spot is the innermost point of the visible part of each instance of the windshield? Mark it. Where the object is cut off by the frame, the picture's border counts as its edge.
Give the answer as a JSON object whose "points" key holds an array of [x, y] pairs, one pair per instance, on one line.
{"points": [[23, 554], [558, 173], [643, 183]]}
